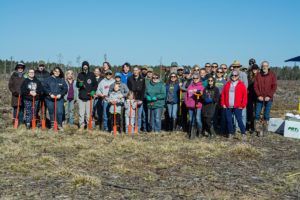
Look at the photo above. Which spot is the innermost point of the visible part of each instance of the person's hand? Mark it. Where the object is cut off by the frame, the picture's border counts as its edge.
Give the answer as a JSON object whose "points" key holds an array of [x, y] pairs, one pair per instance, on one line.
{"points": [[148, 98], [241, 108], [224, 106], [52, 96], [267, 98], [58, 96], [260, 98], [32, 93], [139, 102], [92, 93], [180, 84]]}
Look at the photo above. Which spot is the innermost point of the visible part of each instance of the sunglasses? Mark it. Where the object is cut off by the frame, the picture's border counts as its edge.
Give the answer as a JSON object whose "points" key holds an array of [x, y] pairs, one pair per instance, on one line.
{"points": [[236, 66], [173, 76], [207, 66], [224, 67], [196, 69], [219, 72], [154, 77], [214, 66], [195, 78], [235, 75], [108, 74], [179, 69], [210, 80]]}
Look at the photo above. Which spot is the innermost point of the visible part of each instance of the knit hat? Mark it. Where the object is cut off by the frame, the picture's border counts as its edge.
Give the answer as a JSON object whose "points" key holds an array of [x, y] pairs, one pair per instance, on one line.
{"points": [[85, 63]]}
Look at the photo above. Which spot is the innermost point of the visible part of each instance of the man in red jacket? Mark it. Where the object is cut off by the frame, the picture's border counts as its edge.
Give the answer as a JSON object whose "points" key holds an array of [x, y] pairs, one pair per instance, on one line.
{"points": [[265, 85], [234, 100]]}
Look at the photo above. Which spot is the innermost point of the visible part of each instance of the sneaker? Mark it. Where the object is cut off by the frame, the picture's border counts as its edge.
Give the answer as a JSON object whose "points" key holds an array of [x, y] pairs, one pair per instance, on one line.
{"points": [[244, 137], [60, 128], [230, 136]]}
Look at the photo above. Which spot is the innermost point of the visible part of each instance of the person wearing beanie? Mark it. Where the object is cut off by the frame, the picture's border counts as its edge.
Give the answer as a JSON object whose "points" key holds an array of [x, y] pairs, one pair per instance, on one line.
{"points": [[234, 100], [126, 73], [194, 105], [87, 86], [102, 93], [155, 96], [14, 84]]}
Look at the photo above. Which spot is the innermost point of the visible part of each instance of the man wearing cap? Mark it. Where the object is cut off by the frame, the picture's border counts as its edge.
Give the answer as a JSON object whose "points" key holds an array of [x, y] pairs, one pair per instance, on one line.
{"points": [[87, 86], [265, 85], [136, 83], [144, 71], [234, 100], [225, 71], [183, 121], [102, 92], [126, 73], [180, 70], [214, 68], [16, 80], [207, 68]]}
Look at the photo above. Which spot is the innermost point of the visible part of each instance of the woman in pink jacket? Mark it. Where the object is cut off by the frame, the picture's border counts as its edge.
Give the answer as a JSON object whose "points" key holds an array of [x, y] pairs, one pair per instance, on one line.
{"points": [[193, 103]]}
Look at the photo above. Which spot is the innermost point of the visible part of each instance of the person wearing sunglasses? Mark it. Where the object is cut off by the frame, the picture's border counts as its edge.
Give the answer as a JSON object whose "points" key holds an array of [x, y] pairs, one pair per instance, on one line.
{"points": [[234, 100], [265, 85], [15, 81], [225, 70], [207, 68], [210, 98], [193, 103], [155, 94], [214, 68], [172, 100], [102, 93]]}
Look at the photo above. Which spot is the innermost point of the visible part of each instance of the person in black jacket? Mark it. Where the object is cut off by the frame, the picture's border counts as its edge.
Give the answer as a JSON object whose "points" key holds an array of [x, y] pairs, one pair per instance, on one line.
{"points": [[55, 87], [31, 89], [87, 84], [136, 84], [210, 98]]}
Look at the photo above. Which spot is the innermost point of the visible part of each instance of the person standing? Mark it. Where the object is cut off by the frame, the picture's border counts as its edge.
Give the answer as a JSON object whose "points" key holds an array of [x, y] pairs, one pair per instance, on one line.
{"points": [[251, 105], [234, 100], [71, 97], [265, 85], [14, 85], [155, 95], [31, 90], [126, 73], [225, 71], [136, 84], [130, 111], [87, 86], [55, 87]]}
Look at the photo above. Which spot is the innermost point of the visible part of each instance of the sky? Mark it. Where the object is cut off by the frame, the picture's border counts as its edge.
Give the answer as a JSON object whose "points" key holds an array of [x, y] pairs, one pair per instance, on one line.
{"points": [[147, 31]]}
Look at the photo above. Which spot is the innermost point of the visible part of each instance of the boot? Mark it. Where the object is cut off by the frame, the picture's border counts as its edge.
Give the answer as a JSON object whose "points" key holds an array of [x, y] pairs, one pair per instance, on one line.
{"points": [[28, 126], [200, 132], [258, 128], [173, 125], [212, 133], [81, 129], [193, 132]]}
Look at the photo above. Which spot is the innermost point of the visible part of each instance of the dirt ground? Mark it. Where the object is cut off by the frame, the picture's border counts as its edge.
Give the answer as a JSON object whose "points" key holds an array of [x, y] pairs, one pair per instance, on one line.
{"points": [[95, 165]]}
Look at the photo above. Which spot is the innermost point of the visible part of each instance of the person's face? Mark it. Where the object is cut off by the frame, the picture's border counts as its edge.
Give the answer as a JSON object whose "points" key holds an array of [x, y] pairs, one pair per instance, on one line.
{"points": [[173, 77], [219, 73], [149, 74], [97, 72], [202, 73], [214, 68], [224, 68], [41, 68], [180, 72], [136, 71], [116, 87], [210, 82], [196, 79], [155, 79], [31, 73], [56, 73], [208, 68], [118, 79], [254, 71], [234, 77], [144, 71], [236, 68], [265, 67], [70, 75], [105, 66], [197, 69], [85, 67], [108, 75], [20, 69], [126, 69]]}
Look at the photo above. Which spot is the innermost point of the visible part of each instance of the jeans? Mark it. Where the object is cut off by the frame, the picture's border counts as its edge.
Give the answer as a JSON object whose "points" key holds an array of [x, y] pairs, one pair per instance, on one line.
{"points": [[29, 110], [259, 107], [59, 110], [244, 118], [69, 108], [140, 115], [132, 121], [172, 110], [145, 117], [156, 119], [196, 114], [229, 113], [105, 107], [97, 111]]}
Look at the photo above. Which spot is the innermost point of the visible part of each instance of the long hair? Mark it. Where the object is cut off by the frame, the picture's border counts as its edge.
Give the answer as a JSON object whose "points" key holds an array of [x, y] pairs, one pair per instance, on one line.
{"points": [[61, 74], [69, 72]]}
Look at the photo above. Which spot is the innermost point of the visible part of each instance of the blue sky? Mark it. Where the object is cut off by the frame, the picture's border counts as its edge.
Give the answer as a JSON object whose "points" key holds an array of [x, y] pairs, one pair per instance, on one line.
{"points": [[140, 32]]}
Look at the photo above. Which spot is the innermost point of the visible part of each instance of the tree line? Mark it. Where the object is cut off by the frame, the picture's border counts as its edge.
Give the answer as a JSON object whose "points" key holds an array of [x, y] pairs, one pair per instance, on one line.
{"points": [[8, 66]]}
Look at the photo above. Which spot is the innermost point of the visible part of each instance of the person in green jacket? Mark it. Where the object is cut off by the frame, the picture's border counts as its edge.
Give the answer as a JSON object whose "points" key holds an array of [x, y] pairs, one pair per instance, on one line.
{"points": [[155, 96]]}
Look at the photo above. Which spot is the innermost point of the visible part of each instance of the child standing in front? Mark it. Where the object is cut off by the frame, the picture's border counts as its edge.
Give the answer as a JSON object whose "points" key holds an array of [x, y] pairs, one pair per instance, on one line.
{"points": [[116, 101], [130, 111]]}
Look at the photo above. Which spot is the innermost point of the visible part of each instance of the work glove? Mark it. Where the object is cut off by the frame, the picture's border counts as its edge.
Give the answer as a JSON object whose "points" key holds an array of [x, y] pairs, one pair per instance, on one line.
{"points": [[154, 98], [148, 98], [80, 84], [92, 93]]}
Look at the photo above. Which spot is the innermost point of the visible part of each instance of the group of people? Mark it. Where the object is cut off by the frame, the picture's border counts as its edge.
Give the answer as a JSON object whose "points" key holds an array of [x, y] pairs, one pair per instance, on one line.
{"points": [[200, 101]]}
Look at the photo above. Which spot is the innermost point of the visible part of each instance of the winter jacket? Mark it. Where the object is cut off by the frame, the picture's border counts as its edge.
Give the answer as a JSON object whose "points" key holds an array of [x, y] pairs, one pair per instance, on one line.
{"points": [[89, 84], [75, 91], [240, 100], [137, 86], [155, 95], [118, 98], [124, 77], [55, 85], [103, 87], [14, 86], [265, 85], [251, 92], [175, 95], [31, 85], [210, 99], [123, 88], [190, 98], [41, 75], [127, 105], [243, 78]]}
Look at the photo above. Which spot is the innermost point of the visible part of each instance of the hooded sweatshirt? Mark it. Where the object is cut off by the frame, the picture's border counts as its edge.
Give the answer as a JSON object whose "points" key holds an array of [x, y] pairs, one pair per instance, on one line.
{"points": [[104, 85], [31, 85], [89, 83], [190, 97]]}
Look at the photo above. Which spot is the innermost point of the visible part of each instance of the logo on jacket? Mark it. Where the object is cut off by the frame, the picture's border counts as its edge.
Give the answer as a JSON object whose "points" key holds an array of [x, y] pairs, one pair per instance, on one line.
{"points": [[89, 81], [32, 86]]}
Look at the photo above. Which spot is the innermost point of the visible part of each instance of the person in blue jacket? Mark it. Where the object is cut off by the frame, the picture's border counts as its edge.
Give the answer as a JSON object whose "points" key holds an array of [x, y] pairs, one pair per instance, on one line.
{"points": [[126, 73], [55, 87], [172, 99]]}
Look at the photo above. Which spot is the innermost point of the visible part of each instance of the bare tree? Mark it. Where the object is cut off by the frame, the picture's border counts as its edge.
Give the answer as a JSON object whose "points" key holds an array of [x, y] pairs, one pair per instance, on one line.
{"points": [[78, 58]]}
